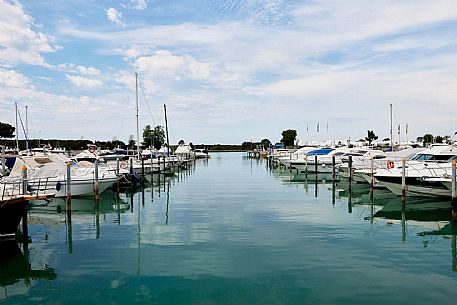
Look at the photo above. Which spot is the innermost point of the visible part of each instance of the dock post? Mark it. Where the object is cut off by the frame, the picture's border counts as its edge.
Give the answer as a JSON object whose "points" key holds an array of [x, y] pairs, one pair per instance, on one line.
{"points": [[25, 228], [68, 182], [333, 168], [454, 195], [142, 168], [97, 183], [372, 173], [152, 166], [158, 160], [24, 179], [3, 161], [350, 169], [403, 182], [118, 173], [315, 164]]}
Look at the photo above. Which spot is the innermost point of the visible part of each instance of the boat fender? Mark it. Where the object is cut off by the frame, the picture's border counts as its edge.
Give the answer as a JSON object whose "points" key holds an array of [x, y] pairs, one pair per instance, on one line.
{"points": [[390, 164], [123, 165], [58, 186], [59, 209]]}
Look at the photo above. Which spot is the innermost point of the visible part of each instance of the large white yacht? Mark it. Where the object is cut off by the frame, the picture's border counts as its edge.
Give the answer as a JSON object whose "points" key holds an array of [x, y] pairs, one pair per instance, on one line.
{"points": [[421, 172]]}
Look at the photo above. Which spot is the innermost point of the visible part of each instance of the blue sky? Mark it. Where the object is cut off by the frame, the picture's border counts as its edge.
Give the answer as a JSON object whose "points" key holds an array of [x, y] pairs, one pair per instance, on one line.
{"points": [[229, 71]]}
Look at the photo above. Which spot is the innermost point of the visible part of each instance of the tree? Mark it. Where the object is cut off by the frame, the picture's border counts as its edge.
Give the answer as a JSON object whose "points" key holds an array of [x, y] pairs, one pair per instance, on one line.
{"points": [[439, 139], [288, 137], [158, 137], [6, 130], [371, 137], [428, 138], [265, 143], [132, 144], [147, 135]]}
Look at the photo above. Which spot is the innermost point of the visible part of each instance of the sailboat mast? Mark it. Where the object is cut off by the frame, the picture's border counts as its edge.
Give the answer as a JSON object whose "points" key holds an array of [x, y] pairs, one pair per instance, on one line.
{"points": [[17, 129], [137, 123], [27, 127], [166, 129], [391, 131]]}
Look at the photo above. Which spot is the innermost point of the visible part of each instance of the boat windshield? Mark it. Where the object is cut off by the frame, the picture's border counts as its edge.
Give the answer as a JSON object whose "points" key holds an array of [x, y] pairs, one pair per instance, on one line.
{"points": [[429, 157]]}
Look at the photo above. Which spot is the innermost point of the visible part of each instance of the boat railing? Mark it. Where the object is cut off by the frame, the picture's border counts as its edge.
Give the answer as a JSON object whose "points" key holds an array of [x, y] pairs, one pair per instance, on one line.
{"points": [[10, 188]]}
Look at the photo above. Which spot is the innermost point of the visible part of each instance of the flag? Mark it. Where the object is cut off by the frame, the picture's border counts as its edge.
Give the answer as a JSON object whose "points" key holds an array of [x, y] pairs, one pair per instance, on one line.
{"points": [[307, 127], [317, 126], [406, 127], [398, 128]]}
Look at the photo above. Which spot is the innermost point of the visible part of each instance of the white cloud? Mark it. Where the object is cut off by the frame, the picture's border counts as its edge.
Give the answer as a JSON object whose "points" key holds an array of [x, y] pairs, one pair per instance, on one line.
{"points": [[139, 4], [79, 69], [19, 42], [164, 61], [84, 82], [11, 78], [114, 16]]}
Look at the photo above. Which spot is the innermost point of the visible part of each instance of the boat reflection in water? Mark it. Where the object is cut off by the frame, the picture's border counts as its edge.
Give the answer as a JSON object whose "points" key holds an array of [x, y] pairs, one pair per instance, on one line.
{"points": [[15, 266]]}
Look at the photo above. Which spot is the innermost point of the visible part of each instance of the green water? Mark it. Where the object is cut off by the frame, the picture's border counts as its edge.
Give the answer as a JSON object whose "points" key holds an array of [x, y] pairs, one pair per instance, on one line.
{"points": [[233, 231]]}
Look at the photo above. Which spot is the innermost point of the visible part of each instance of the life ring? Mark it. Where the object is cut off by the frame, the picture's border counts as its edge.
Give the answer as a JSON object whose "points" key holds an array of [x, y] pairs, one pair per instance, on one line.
{"points": [[91, 149], [123, 165], [390, 164]]}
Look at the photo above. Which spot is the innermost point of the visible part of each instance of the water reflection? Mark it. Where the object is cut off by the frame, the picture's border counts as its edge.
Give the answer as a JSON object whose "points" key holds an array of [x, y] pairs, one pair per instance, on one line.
{"points": [[15, 266]]}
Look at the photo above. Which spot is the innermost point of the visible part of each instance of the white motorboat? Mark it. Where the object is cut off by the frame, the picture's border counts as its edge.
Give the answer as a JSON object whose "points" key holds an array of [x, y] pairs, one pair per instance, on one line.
{"points": [[48, 175], [420, 171]]}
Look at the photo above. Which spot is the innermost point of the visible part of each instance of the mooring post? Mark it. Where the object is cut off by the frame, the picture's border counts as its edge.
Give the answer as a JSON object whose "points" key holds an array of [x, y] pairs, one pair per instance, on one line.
{"points": [[152, 166], [3, 161], [131, 166], [142, 167], [68, 182], [24, 180], [315, 164], [97, 183], [25, 228], [454, 191], [372, 173], [403, 182], [158, 160], [117, 166], [350, 169], [333, 168]]}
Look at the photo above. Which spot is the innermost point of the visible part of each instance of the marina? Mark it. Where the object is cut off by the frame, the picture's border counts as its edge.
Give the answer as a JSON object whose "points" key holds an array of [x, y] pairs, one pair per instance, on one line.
{"points": [[253, 234]]}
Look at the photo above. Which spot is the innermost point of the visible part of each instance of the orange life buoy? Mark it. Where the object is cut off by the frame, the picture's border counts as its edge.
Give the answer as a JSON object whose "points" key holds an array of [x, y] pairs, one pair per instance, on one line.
{"points": [[123, 165], [91, 150], [390, 164]]}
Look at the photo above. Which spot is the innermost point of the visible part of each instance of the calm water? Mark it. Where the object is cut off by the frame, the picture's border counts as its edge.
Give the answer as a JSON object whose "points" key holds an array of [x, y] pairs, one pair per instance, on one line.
{"points": [[232, 231]]}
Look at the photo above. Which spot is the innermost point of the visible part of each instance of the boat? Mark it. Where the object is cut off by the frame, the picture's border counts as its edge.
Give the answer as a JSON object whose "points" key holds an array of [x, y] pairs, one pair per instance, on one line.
{"points": [[201, 153], [421, 172], [47, 175]]}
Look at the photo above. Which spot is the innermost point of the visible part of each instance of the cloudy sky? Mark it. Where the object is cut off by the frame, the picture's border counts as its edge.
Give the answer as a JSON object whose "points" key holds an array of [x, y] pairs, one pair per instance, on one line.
{"points": [[229, 70]]}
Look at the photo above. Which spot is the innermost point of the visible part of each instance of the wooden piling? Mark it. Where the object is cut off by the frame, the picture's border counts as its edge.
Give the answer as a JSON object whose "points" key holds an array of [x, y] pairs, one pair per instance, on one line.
{"points": [[315, 164], [24, 179], [3, 161], [372, 173], [97, 183], [142, 167], [403, 182], [68, 186], [454, 191], [350, 169], [333, 168]]}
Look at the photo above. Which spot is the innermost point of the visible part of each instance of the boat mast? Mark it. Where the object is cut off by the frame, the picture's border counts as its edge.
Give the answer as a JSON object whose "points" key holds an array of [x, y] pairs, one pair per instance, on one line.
{"points": [[17, 129], [391, 131], [26, 127], [137, 124], [166, 129]]}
